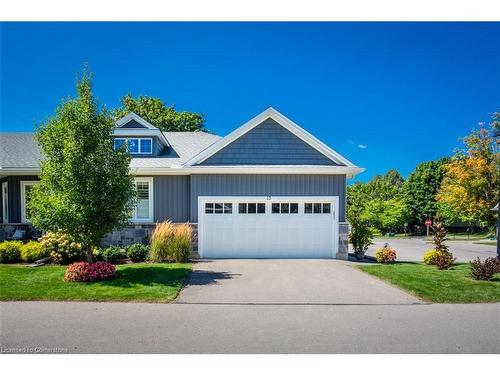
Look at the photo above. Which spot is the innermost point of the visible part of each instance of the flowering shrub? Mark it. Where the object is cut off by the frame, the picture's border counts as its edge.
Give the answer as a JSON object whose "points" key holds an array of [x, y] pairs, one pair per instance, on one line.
{"points": [[61, 249], [32, 251], [137, 252], [430, 257], [83, 271], [484, 270], [10, 251], [386, 254], [111, 254]]}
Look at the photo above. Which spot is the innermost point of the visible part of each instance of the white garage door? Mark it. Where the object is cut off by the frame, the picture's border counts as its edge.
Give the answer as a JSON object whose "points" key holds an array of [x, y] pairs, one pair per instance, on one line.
{"points": [[267, 227]]}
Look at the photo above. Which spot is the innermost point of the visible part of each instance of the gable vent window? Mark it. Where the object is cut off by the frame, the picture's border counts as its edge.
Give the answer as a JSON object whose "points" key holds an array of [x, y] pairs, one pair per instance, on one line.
{"points": [[135, 146]]}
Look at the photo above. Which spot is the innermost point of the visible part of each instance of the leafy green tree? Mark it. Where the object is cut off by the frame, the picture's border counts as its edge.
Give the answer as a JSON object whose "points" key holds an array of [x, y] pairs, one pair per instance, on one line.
{"points": [[164, 117], [380, 201], [421, 188], [85, 190]]}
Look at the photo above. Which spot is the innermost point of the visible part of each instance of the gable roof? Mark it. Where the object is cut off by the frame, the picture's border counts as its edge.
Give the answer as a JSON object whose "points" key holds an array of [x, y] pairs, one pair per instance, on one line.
{"points": [[147, 129], [288, 124], [134, 117]]}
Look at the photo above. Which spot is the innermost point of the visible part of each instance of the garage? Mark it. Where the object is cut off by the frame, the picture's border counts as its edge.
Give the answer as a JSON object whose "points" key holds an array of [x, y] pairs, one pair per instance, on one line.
{"points": [[268, 227]]}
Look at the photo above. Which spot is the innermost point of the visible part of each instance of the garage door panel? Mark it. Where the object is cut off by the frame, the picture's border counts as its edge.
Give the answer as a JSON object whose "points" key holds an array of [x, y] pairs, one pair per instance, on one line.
{"points": [[268, 235]]}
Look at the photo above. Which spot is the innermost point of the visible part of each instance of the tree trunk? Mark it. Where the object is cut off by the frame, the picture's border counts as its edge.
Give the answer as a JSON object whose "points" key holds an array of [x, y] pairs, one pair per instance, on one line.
{"points": [[88, 251]]}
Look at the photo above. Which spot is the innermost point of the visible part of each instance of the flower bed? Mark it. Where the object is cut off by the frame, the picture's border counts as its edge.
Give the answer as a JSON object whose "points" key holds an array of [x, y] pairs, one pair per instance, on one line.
{"points": [[83, 271]]}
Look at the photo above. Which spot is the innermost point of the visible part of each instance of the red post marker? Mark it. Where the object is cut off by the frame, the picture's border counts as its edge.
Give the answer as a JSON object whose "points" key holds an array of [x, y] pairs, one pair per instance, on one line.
{"points": [[428, 223]]}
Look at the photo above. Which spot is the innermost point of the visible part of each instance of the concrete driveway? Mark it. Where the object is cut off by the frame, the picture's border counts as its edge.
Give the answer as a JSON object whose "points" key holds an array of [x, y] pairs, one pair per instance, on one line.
{"points": [[413, 249], [321, 281]]}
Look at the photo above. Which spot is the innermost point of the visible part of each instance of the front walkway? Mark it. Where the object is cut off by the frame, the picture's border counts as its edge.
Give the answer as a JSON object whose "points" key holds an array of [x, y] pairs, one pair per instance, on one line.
{"points": [[321, 281]]}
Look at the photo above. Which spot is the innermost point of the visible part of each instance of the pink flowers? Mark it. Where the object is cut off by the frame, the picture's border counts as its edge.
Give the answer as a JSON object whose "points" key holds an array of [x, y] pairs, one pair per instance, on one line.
{"points": [[386, 254], [83, 271]]}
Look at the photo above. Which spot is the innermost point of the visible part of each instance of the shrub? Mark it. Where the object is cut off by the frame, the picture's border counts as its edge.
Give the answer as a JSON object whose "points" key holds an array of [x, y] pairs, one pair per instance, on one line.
{"points": [[430, 257], [386, 254], [137, 252], [61, 249], [111, 254], [484, 270], [10, 251], [180, 245], [32, 251], [83, 271], [444, 260], [160, 241]]}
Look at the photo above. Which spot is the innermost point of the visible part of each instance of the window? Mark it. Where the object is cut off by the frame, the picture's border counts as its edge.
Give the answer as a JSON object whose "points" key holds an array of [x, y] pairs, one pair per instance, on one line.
{"points": [[218, 208], [5, 202], [135, 145], [251, 208], [146, 146], [143, 211], [285, 208], [118, 143], [317, 208], [26, 190]]}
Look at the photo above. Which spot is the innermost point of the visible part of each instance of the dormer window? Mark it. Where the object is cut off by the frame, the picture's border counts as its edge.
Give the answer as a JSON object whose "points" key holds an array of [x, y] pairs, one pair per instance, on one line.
{"points": [[136, 146]]}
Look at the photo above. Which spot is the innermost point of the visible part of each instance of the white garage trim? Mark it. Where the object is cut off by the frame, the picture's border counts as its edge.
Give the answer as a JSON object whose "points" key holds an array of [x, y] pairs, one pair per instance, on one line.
{"points": [[333, 215]]}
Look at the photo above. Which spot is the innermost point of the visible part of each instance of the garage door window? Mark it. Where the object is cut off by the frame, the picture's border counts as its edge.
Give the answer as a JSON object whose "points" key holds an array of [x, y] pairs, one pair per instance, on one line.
{"points": [[285, 208], [317, 208], [218, 208], [251, 208]]}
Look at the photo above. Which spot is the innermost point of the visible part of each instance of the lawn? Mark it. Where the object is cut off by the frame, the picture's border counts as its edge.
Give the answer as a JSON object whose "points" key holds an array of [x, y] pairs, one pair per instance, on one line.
{"points": [[428, 283], [135, 282]]}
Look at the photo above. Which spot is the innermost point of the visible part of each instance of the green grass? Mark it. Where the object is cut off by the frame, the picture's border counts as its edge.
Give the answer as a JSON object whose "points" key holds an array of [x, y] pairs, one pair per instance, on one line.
{"points": [[135, 282], [430, 284]]}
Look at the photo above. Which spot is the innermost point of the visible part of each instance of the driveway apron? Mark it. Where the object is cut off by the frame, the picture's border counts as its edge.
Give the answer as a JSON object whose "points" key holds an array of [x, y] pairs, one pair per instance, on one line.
{"points": [[319, 281]]}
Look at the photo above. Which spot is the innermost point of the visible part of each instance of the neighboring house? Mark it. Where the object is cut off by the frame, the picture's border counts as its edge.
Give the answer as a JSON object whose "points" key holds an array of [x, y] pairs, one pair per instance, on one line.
{"points": [[269, 189]]}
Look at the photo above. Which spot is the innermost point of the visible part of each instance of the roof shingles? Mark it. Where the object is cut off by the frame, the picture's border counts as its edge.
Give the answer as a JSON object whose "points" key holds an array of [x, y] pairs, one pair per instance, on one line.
{"points": [[20, 150]]}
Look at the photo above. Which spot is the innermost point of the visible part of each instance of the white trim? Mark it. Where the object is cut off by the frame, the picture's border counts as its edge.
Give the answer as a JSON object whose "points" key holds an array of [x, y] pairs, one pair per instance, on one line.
{"points": [[251, 169], [24, 183], [240, 169], [138, 139], [133, 116], [5, 209], [149, 219], [283, 121], [148, 129]]}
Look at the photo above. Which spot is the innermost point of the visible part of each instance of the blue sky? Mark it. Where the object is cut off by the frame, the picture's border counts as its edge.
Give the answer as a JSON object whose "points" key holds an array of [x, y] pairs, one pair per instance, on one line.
{"points": [[385, 95]]}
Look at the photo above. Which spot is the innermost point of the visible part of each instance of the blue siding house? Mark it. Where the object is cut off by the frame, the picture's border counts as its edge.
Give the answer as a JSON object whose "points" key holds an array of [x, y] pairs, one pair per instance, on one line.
{"points": [[269, 189]]}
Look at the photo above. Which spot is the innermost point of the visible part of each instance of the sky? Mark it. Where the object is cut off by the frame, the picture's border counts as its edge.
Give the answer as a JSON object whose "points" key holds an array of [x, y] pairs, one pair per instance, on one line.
{"points": [[384, 95]]}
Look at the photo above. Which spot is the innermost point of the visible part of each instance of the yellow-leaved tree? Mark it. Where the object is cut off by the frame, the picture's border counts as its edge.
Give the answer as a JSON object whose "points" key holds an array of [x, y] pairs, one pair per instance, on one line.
{"points": [[471, 182]]}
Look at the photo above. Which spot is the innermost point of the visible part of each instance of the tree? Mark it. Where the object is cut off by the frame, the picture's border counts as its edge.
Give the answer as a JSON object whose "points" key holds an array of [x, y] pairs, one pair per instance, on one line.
{"points": [[85, 190], [380, 201], [164, 117], [471, 182], [421, 188]]}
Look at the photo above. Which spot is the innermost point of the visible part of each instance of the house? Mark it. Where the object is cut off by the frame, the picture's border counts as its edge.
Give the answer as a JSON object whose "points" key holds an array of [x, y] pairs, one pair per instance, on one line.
{"points": [[269, 189]]}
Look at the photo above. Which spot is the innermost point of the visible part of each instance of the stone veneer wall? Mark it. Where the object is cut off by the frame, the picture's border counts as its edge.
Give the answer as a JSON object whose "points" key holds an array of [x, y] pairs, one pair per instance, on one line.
{"points": [[343, 241], [140, 233]]}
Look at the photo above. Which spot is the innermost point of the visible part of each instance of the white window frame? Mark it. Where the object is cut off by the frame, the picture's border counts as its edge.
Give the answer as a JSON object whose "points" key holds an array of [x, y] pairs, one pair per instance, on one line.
{"points": [[149, 219], [138, 139], [5, 198], [24, 219]]}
